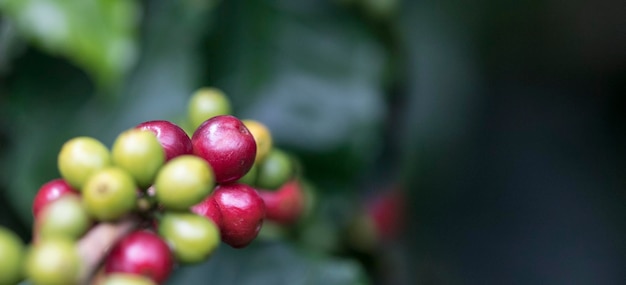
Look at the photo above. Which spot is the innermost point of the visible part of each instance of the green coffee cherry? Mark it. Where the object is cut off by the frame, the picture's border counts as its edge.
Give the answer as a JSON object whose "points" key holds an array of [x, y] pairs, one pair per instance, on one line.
{"points": [[139, 153], [207, 103], [79, 158], [251, 176], [65, 217], [12, 257], [110, 194], [53, 261], [275, 170], [192, 238], [183, 182]]}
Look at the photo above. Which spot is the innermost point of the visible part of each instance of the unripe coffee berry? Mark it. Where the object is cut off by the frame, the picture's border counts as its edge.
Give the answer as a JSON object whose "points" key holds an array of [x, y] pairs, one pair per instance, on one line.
{"points": [[242, 212], [53, 261], [110, 194], [139, 153], [12, 251], [65, 217], [207, 103], [183, 182], [172, 138], [50, 192], [275, 170], [79, 158], [192, 238], [227, 145], [262, 137], [142, 253]]}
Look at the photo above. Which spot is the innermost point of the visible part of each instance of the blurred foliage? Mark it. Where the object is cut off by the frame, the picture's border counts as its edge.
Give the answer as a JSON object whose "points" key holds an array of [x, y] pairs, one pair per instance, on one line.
{"points": [[97, 35]]}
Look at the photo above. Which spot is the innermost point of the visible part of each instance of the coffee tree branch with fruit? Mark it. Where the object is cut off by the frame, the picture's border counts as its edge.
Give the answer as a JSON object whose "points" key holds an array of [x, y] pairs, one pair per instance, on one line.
{"points": [[162, 196]]}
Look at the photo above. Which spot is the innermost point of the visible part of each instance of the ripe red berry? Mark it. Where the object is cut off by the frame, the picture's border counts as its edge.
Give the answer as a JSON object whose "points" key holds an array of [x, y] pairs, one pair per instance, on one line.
{"points": [[172, 138], [284, 205], [49, 192], [209, 209], [142, 253], [227, 145], [242, 211], [387, 212]]}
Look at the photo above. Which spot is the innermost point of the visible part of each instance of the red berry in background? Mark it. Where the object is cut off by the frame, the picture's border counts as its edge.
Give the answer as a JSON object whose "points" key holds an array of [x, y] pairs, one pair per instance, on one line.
{"points": [[387, 212], [49, 192], [284, 205], [209, 209], [172, 138], [227, 145], [242, 211], [142, 253]]}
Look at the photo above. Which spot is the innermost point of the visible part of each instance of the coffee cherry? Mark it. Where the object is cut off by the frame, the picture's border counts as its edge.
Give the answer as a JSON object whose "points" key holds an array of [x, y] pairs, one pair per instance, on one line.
{"points": [[208, 208], [50, 192], [140, 154], [192, 238], [65, 217], [284, 205], [227, 145], [79, 158], [126, 279], [12, 257], [172, 138], [183, 182], [53, 261], [110, 194], [262, 137], [207, 103], [275, 170], [142, 253], [242, 211]]}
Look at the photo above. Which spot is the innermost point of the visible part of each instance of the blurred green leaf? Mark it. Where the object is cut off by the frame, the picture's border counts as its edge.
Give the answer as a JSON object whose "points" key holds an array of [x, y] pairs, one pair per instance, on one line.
{"points": [[97, 35], [314, 76], [272, 263]]}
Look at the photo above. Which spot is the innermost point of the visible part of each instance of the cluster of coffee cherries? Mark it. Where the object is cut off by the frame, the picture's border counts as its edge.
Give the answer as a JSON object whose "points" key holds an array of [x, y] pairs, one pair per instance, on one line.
{"points": [[173, 195]]}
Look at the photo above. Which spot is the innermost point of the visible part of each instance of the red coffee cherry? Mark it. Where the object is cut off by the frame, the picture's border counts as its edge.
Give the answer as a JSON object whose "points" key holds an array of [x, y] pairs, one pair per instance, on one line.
{"points": [[49, 192], [284, 205], [172, 138], [242, 211], [208, 208], [227, 145], [142, 253]]}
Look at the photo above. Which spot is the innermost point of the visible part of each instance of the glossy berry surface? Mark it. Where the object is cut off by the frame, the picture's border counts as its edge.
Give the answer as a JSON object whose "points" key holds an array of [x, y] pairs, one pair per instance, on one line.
{"points": [[12, 250], [142, 253], [208, 208], [110, 194], [49, 192], [172, 138], [183, 182], [140, 154], [227, 145], [284, 205], [53, 261], [79, 158], [192, 238], [65, 217], [242, 211], [207, 103]]}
